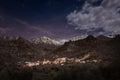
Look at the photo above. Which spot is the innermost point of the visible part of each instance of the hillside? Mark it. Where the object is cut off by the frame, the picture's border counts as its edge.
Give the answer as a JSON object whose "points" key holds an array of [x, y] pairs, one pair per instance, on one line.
{"points": [[102, 47], [17, 49]]}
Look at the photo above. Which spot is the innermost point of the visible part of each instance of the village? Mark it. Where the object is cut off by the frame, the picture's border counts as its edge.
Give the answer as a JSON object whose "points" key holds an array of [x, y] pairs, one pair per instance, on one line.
{"points": [[62, 61]]}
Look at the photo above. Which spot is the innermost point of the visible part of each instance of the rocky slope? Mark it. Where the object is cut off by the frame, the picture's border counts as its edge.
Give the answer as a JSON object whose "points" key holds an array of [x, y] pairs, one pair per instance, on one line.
{"points": [[17, 49], [102, 47]]}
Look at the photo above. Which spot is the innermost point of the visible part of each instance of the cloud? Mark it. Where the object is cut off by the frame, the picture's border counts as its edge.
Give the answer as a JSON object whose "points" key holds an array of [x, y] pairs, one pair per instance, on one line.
{"points": [[31, 30], [104, 18], [21, 22]]}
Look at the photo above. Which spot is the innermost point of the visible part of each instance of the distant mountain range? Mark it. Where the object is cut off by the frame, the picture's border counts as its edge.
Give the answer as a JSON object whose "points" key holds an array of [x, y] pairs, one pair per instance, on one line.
{"points": [[15, 49], [47, 40]]}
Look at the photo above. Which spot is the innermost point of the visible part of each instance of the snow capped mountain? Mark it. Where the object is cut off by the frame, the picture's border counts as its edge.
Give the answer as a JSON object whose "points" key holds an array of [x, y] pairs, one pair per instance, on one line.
{"points": [[50, 41], [47, 40]]}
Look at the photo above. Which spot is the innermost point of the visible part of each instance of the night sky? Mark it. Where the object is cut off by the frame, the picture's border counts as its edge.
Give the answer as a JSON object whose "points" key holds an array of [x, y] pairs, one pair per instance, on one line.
{"points": [[52, 18]]}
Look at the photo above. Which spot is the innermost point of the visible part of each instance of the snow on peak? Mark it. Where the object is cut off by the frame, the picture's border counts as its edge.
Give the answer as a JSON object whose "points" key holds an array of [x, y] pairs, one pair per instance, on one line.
{"points": [[47, 40]]}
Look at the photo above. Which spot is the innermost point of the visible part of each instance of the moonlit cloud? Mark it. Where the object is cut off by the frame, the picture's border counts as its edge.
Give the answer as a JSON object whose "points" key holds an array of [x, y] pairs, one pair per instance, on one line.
{"points": [[11, 26], [104, 18], [30, 29]]}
